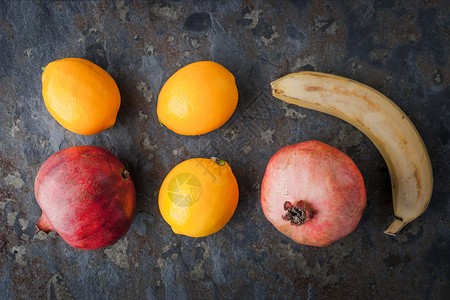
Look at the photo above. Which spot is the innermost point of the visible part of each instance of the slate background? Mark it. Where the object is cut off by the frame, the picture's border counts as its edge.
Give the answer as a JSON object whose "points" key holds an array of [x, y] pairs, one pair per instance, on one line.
{"points": [[398, 47]]}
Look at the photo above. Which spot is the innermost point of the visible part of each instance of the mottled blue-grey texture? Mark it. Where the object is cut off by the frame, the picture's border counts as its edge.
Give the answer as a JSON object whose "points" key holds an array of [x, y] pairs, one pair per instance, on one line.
{"points": [[398, 47]]}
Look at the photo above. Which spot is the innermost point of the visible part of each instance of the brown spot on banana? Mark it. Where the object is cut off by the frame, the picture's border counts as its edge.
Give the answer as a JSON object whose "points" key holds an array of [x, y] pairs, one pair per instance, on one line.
{"points": [[384, 123], [313, 88]]}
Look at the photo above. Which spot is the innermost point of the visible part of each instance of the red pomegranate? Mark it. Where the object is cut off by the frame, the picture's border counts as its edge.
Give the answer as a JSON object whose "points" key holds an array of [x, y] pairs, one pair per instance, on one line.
{"points": [[313, 193], [86, 196]]}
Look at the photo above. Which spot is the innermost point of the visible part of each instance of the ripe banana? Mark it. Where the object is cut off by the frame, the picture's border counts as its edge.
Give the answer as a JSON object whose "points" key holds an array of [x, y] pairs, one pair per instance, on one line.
{"points": [[384, 123]]}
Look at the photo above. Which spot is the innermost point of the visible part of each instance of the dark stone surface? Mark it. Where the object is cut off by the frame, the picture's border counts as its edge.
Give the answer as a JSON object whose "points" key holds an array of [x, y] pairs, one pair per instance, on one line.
{"points": [[397, 47]]}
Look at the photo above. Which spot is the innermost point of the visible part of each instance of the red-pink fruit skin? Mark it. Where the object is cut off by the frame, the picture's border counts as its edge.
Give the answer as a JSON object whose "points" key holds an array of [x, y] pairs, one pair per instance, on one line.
{"points": [[86, 200], [329, 183]]}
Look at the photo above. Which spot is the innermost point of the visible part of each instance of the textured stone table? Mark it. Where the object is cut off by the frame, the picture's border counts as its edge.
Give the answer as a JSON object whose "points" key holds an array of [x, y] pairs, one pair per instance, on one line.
{"points": [[398, 47]]}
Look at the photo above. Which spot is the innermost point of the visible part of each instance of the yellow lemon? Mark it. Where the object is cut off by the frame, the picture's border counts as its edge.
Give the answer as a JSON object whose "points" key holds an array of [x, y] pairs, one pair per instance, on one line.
{"points": [[198, 98], [199, 196], [80, 95]]}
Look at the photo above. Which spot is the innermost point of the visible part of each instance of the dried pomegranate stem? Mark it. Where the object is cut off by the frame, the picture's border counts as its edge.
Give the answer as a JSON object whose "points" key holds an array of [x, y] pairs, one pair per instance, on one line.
{"points": [[296, 214], [125, 174]]}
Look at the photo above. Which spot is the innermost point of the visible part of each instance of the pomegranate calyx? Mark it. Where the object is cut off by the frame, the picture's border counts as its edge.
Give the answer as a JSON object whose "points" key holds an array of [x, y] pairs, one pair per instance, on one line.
{"points": [[125, 174], [296, 214], [43, 225]]}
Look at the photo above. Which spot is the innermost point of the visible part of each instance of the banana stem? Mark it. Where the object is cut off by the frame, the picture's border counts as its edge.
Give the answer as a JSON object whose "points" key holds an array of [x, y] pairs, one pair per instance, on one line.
{"points": [[395, 227]]}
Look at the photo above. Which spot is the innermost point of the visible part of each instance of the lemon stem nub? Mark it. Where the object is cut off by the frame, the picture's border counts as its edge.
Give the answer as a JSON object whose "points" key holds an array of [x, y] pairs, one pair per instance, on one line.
{"points": [[160, 123], [218, 161], [42, 68]]}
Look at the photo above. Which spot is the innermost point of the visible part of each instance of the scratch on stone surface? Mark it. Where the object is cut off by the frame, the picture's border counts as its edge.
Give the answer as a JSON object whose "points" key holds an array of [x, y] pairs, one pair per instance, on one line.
{"points": [[142, 116], [198, 272], [117, 253], [328, 26], [356, 66], [254, 17], [217, 27], [273, 36], [195, 43], [15, 128], [168, 247], [161, 263], [292, 113], [19, 253], [246, 149], [149, 49], [148, 145], [93, 29], [178, 151], [304, 61], [167, 12], [230, 134], [11, 218], [122, 9], [43, 143], [27, 52], [43, 236], [57, 289], [3, 203], [23, 223], [40, 236], [324, 276], [150, 65], [266, 136], [145, 91], [14, 180], [332, 29]]}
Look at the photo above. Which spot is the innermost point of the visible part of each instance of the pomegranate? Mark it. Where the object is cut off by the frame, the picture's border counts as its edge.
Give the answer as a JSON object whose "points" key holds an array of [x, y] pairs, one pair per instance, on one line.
{"points": [[86, 196], [313, 193]]}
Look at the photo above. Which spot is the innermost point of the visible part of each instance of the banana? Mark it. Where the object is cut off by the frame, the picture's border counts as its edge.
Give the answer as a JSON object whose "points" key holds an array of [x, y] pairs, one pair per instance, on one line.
{"points": [[384, 123]]}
